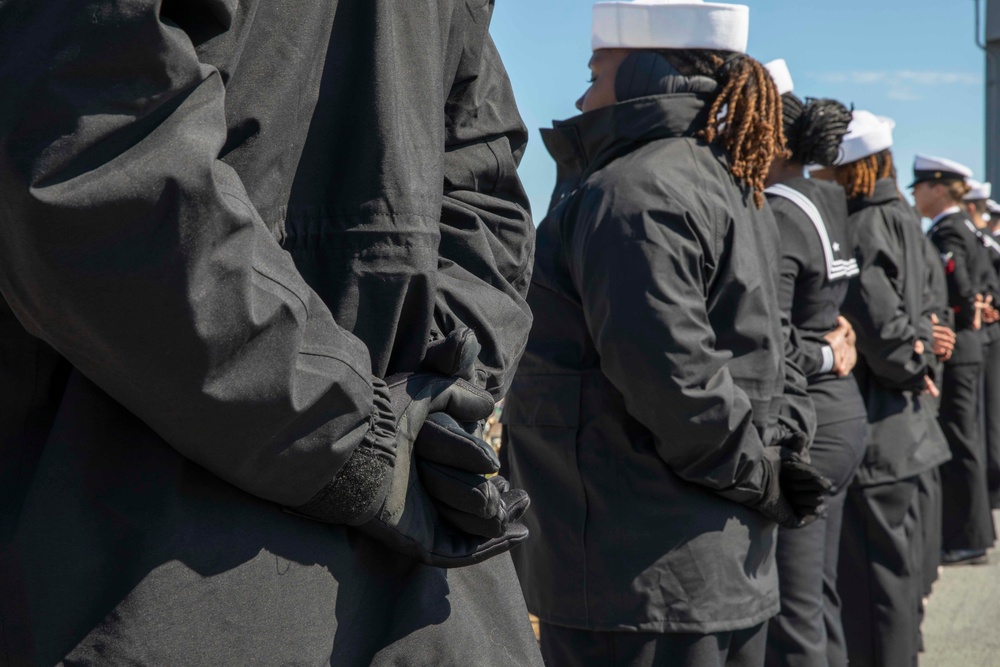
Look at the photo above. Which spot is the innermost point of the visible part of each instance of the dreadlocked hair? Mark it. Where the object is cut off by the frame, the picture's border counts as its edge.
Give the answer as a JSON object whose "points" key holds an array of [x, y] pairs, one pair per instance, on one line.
{"points": [[858, 178], [814, 128], [750, 130]]}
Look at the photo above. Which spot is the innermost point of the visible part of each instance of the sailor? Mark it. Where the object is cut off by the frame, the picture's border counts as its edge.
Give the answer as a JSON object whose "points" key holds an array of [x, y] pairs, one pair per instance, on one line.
{"points": [[879, 576], [939, 189], [976, 205], [817, 263], [993, 209], [653, 415], [244, 257]]}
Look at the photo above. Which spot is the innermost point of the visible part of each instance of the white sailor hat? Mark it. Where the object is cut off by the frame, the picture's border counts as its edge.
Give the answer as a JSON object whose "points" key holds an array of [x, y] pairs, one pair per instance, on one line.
{"points": [[993, 207], [670, 24], [782, 77], [867, 135], [979, 190], [929, 168]]}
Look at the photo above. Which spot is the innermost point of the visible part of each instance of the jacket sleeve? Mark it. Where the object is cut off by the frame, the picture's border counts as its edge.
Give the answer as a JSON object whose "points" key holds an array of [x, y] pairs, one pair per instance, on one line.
{"points": [[886, 334], [133, 250], [641, 276], [961, 290], [487, 237]]}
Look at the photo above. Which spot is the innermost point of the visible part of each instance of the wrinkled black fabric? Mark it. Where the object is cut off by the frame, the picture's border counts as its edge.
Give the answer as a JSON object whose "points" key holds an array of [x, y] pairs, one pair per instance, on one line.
{"points": [[886, 307], [652, 372], [190, 374]]}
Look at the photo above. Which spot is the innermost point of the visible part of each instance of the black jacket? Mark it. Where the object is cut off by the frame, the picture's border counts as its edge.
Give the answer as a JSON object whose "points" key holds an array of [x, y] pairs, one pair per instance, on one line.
{"points": [[886, 307], [172, 376], [653, 368], [968, 272], [817, 264]]}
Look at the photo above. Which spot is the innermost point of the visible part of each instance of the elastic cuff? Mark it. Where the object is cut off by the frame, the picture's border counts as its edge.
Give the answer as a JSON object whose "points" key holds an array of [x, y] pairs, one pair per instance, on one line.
{"points": [[359, 489], [827, 353]]}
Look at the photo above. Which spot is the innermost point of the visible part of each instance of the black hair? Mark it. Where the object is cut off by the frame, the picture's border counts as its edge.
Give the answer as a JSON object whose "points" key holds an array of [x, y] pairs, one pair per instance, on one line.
{"points": [[814, 129]]}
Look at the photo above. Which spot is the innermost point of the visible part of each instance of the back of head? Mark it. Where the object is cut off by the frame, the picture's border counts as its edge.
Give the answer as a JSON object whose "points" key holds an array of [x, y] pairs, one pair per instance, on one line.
{"points": [[700, 41], [745, 118], [814, 129]]}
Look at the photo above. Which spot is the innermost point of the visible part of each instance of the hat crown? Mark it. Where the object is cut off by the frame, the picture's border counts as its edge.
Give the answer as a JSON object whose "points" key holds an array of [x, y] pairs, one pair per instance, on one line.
{"points": [[670, 24], [778, 69], [867, 135]]}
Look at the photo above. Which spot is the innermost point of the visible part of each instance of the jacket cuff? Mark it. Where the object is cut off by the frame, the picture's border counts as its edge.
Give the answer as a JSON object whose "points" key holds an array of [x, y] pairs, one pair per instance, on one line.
{"points": [[358, 491]]}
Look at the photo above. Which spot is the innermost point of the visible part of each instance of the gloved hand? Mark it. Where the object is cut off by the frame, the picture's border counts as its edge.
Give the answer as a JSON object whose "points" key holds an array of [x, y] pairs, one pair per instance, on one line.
{"points": [[453, 461], [378, 489], [793, 491]]}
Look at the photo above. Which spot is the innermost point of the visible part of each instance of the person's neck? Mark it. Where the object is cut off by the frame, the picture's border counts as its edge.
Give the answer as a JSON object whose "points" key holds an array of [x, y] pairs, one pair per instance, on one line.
{"points": [[940, 207], [784, 170]]}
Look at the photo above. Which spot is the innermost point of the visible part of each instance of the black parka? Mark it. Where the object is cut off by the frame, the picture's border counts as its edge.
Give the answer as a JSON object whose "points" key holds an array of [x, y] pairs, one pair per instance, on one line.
{"points": [[653, 371], [886, 306], [171, 376]]}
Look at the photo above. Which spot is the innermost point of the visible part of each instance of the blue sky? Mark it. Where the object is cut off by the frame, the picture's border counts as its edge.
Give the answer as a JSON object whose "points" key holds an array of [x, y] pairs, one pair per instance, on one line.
{"points": [[913, 60]]}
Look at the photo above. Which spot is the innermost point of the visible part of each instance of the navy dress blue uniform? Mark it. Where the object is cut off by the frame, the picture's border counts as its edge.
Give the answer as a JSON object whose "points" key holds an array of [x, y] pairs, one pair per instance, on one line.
{"points": [[878, 573], [817, 263], [991, 382], [967, 522]]}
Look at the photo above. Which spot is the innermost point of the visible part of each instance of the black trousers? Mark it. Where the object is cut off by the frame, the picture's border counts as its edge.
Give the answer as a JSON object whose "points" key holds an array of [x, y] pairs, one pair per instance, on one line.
{"points": [[967, 521], [928, 555], [878, 576], [808, 632], [991, 418], [571, 647]]}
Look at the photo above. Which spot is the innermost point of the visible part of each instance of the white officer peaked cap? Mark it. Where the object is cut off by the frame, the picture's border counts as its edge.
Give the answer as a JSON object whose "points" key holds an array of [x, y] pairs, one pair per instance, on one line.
{"points": [[979, 190], [867, 135], [993, 207], [930, 168], [670, 24], [782, 77]]}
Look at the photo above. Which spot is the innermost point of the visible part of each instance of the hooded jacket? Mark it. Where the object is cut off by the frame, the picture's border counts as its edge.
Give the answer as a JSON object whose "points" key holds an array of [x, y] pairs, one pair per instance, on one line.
{"points": [[654, 372], [221, 222]]}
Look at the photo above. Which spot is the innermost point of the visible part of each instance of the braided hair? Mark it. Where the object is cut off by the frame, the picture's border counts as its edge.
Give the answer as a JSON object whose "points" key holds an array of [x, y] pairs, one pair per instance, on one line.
{"points": [[814, 128], [859, 177], [750, 129]]}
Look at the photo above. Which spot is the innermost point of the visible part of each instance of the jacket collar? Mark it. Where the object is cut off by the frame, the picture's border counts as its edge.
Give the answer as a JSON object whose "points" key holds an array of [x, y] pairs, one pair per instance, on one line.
{"points": [[589, 141], [885, 192]]}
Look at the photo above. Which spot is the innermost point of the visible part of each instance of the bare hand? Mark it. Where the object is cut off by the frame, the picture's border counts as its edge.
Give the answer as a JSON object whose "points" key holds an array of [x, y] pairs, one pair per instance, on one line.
{"points": [[943, 345], [977, 317], [842, 342], [990, 313], [931, 387]]}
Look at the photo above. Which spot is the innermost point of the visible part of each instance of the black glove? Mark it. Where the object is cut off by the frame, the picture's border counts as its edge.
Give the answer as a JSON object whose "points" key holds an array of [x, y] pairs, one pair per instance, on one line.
{"points": [[794, 492], [782, 434], [453, 462], [378, 489], [454, 355]]}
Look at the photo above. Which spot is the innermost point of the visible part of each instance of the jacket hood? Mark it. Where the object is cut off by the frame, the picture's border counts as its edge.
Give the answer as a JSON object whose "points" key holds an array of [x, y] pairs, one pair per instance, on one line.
{"points": [[591, 140]]}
